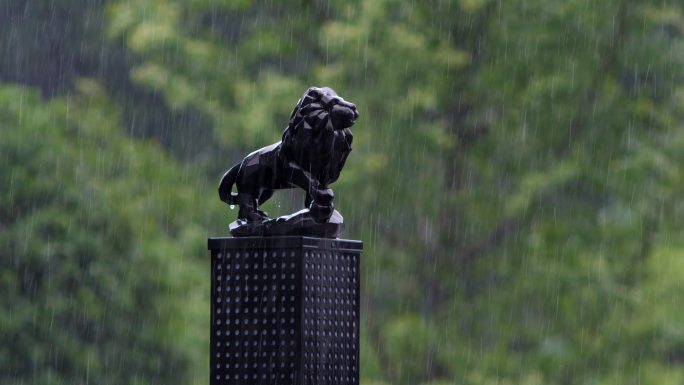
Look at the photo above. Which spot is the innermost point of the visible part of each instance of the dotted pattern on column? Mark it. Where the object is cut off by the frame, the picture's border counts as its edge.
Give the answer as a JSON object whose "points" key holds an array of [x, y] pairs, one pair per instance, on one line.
{"points": [[331, 318], [255, 317]]}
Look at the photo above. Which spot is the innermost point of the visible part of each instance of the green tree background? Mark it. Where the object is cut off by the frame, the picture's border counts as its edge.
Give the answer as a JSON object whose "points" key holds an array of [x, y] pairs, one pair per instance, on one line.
{"points": [[515, 179]]}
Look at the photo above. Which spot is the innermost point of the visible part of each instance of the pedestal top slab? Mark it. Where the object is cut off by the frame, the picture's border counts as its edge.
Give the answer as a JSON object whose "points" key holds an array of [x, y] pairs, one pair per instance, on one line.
{"points": [[227, 243]]}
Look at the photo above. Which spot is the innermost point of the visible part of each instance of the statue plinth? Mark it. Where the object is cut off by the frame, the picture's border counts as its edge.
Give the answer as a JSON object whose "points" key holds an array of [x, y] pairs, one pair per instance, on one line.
{"points": [[299, 223], [284, 310]]}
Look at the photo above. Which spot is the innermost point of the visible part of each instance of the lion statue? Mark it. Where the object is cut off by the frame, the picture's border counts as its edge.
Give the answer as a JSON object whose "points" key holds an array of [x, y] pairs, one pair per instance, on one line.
{"points": [[313, 150]]}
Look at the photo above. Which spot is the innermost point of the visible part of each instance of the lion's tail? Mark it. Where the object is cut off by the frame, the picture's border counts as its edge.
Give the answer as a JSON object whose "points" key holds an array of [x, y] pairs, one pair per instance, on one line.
{"points": [[226, 185]]}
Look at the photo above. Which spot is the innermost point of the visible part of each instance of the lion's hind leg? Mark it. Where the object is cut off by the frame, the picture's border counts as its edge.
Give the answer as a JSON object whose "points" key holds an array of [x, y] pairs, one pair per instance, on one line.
{"points": [[263, 197], [249, 208]]}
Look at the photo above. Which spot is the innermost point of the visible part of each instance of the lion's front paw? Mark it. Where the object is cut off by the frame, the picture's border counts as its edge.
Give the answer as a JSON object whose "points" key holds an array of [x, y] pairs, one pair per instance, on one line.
{"points": [[324, 197], [321, 213]]}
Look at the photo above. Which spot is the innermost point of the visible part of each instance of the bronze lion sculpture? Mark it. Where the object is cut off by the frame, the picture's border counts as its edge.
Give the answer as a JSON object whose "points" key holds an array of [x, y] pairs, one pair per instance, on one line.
{"points": [[311, 154]]}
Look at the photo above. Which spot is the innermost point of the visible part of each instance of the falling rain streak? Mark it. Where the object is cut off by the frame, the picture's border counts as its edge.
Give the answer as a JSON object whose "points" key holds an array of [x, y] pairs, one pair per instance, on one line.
{"points": [[516, 180]]}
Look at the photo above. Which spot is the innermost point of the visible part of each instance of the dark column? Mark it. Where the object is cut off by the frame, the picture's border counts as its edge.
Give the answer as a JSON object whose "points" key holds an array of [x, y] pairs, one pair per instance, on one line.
{"points": [[284, 310]]}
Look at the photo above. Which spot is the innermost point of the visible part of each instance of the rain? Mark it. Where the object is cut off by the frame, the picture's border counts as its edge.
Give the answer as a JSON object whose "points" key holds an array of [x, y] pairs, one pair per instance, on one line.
{"points": [[515, 179]]}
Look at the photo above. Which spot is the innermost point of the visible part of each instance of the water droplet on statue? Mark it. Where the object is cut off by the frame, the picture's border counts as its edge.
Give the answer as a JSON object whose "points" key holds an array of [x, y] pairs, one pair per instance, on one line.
{"points": [[232, 207]]}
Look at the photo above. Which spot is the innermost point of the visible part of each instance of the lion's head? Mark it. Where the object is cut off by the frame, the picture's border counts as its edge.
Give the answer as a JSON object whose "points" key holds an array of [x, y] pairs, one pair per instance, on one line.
{"points": [[318, 135], [322, 106]]}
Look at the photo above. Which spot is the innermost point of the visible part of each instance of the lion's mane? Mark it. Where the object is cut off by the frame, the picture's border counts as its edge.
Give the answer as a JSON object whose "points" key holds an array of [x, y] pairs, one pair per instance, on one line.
{"points": [[314, 139]]}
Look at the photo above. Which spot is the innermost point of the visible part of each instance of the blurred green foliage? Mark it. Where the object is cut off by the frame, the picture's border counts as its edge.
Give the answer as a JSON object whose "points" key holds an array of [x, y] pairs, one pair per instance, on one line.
{"points": [[96, 231], [515, 178]]}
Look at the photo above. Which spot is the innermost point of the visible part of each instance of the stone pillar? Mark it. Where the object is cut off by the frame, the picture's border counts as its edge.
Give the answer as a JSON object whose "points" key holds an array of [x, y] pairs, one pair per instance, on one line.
{"points": [[284, 310]]}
